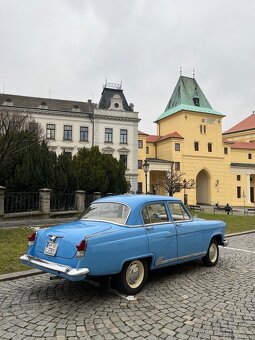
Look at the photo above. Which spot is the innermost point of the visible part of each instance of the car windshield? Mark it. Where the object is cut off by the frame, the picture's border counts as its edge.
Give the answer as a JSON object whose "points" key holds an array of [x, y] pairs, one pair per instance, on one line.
{"points": [[111, 212]]}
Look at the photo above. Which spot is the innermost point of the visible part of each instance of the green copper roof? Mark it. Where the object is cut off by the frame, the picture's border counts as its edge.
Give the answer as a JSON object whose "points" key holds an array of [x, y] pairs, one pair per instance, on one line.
{"points": [[187, 95]]}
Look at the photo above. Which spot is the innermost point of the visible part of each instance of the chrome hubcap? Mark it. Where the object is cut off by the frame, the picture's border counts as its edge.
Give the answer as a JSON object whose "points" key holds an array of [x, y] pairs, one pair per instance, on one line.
{"points": [[135, 274], [213, 252]]}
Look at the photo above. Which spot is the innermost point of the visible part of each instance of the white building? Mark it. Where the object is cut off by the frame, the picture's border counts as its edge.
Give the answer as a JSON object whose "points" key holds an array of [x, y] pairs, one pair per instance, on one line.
{"points": [[112, 125]]}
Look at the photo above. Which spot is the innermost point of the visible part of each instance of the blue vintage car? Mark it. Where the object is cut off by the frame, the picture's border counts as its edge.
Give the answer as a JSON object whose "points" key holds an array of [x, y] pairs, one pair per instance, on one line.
{"points": [[123, 237]]}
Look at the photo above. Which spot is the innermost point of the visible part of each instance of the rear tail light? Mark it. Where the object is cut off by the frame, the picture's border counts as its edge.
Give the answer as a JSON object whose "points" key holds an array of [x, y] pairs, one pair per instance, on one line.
{"points": [[31, 239], [81, 248]]}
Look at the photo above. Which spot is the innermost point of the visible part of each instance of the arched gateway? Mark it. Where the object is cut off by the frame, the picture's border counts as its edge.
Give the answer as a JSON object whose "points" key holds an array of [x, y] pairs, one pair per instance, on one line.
{"points": [[202, 187]]}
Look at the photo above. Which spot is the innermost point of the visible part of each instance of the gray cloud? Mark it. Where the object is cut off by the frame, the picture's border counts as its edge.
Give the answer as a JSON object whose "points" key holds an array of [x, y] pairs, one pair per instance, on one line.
{"points": [[71, 46]]}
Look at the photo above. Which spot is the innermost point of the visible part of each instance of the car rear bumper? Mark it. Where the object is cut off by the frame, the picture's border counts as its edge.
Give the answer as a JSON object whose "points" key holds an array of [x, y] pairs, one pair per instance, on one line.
{"points": [[57, 269]]}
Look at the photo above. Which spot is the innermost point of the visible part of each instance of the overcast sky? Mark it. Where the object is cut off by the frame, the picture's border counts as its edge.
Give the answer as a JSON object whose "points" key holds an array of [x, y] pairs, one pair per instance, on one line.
{"points": [[67, 48]]}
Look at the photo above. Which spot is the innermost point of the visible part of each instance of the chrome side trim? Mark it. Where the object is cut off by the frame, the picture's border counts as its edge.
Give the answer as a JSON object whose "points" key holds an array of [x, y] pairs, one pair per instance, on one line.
{"points": [[44, 264], [192, 255], [161, 260]]}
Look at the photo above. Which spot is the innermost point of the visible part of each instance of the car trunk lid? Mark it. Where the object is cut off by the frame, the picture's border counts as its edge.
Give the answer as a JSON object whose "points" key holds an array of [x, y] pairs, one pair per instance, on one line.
{"points": [[61, 241]]}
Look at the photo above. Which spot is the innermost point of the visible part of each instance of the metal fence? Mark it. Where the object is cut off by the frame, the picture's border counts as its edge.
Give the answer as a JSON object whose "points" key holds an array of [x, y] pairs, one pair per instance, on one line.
{"points": [[62, 202], [21, 202]]}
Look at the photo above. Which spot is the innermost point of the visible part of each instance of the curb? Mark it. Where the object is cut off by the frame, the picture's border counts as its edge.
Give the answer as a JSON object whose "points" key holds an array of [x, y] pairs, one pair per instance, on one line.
{"points": [[19, 275], [31, 272]]}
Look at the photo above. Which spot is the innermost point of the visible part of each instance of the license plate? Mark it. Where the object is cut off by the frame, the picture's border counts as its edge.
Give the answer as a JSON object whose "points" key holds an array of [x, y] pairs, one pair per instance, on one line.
{"points": [[51, 248]]}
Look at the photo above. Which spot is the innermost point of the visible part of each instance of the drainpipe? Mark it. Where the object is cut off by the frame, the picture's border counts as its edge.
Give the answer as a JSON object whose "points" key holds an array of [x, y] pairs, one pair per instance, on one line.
{"points": [[91, 117]]}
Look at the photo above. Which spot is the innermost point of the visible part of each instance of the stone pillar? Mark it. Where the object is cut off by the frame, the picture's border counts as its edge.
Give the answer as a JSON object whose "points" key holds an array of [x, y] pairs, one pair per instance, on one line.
{"points": [[44, 201], [2, 189], [80, 200], [96, 195]]}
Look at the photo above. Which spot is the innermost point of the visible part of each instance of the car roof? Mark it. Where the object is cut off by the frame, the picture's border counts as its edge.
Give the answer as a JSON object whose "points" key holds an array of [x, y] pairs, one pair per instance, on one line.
{"points": [[133, 201]]}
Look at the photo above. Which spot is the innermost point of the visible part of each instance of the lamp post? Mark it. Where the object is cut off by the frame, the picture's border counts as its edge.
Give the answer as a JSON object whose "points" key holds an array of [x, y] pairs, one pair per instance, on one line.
{"points": [[146, 170], [185, 195]]}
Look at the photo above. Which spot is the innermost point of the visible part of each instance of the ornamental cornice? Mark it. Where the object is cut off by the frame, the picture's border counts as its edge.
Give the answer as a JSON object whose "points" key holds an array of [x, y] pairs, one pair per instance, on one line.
{"points": [[126, 119], [47, 112]]}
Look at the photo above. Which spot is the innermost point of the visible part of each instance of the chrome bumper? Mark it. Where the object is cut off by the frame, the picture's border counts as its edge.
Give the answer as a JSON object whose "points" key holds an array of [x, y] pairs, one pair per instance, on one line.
{"points": [[55, 268]]}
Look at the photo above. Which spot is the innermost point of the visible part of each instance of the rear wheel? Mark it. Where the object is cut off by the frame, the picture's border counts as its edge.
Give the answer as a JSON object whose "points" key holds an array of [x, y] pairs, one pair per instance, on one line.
{"points": [[212, 256], [133, 276]]}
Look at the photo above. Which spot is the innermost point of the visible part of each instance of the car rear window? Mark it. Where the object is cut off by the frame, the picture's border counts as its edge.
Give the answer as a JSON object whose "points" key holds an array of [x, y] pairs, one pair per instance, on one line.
{"points": [[111, 212]]}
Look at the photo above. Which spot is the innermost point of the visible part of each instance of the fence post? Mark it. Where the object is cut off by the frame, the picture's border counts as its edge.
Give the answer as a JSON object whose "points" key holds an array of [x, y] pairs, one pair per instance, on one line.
{"points": [[2, 189], [44, 201], [80, 200], [96, 195]]}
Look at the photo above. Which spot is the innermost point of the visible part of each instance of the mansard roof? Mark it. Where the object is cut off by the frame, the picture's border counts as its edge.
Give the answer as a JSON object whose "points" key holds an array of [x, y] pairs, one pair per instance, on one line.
{"points": [[246, 124], [10, 100], [109, 91], [187, 95]]}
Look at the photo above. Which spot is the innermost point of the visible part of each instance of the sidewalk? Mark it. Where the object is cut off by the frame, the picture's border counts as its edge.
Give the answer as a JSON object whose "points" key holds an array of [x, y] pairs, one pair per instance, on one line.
{"points": [[35, 222]]}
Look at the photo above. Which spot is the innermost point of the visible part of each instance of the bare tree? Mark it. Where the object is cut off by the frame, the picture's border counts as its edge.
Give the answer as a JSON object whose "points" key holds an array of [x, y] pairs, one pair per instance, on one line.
{"points": [[173, 181], [17, 132]]}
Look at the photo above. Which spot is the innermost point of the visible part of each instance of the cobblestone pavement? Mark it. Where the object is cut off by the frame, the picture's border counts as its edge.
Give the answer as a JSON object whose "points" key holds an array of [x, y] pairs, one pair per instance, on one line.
{"points": [[189, 301]]}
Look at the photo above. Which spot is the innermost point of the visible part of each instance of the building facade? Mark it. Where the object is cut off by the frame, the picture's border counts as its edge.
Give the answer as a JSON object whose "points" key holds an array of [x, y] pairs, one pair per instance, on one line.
{"points": [[189, 134], [68, 126]]}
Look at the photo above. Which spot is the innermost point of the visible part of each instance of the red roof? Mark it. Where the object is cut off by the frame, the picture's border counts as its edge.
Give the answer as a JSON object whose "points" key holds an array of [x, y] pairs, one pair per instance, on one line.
{"points": [[246, 124], [155, 138], [243, 145], [142, 133]]}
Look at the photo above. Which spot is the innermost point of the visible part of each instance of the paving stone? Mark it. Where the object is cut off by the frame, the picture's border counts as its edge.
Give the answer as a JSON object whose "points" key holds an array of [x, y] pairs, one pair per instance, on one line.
{"points": [[189, 301]]}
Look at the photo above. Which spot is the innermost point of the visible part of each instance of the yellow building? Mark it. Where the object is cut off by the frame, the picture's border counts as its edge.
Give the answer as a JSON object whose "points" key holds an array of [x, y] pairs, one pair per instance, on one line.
{"points": [[189, 135]]}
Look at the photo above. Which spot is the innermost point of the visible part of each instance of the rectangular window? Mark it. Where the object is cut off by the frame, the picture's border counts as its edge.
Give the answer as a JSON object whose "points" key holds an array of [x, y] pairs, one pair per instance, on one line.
{"points": [[249, 156], [50, 131], [209, 147], [140, 144], [238, 177], [108, 135], [155, 213], [177, 166], [238, 192], [123, 136], [225, 151], [68, 132], [147, 150], [196, 146], [84, 134], [140, 164], [178, 212], [123, 158], [203, 129], [177, 146]]}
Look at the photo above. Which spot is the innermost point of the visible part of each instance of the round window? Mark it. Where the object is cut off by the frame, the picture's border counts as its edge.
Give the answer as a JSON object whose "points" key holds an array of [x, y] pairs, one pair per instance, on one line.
{"points": [[116, 105]]}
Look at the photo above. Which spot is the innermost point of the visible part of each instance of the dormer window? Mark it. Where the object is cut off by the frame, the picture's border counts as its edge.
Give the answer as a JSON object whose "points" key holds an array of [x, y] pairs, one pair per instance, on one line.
{"points": [[196, 101], [43, 105], [8, 102], [76, 108]]}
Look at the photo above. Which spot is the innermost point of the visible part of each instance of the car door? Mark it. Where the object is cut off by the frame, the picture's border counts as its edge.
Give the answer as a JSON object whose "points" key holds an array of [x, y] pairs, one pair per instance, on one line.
{"points": [[161, 233], [189, 233]]}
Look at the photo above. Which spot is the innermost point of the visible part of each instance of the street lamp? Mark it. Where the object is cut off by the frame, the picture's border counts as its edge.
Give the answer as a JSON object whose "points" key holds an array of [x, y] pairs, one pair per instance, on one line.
{"points": [[185, 196], [146, 170]]}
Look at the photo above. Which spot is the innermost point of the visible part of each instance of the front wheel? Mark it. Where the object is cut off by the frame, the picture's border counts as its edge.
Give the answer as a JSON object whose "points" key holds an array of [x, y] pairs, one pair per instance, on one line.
{"points": [[133, 276], [212, 256]]}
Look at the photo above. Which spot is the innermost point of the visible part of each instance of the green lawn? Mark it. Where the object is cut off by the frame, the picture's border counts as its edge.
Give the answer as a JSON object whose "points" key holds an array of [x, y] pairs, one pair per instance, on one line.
{"points": [[13, 241], [235, 224]]}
